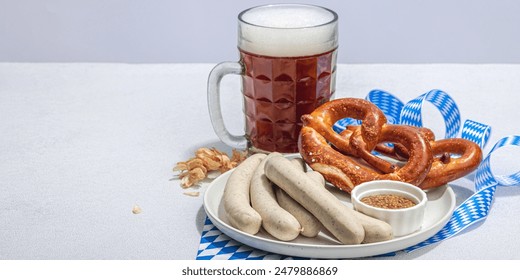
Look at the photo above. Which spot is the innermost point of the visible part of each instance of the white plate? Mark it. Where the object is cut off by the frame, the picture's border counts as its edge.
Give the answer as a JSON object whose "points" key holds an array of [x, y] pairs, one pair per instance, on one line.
{"points": [[440, 206]]}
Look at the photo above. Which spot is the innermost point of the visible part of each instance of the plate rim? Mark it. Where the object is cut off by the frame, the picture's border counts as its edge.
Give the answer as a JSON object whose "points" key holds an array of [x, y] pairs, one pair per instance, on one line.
{"points": [[328, 251]]}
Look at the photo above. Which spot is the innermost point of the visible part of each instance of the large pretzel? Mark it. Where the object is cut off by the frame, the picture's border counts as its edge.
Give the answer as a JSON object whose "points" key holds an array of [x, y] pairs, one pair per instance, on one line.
{"points": [[428, 162], [339, 165]]}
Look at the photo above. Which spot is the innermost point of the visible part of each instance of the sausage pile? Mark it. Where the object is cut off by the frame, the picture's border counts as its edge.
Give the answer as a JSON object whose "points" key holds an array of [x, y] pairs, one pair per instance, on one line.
{"points": [[346, 159], [272, 192]]}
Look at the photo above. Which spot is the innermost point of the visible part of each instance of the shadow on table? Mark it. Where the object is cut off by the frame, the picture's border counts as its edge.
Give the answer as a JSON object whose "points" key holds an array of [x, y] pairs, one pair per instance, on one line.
{"points": [[200, 218]]}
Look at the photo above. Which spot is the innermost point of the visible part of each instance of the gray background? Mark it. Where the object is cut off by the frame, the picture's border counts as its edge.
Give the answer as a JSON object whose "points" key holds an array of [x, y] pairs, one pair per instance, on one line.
{"points": [[165, 31]]}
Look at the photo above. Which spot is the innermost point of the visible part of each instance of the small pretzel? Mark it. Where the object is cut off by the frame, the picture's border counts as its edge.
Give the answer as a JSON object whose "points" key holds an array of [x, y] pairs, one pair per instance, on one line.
{"points": [[453, 158], [398, 151]]}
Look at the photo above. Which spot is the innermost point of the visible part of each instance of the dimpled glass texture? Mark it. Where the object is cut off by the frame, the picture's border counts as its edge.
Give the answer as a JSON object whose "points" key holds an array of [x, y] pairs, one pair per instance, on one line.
{"points": [[278, 91]]}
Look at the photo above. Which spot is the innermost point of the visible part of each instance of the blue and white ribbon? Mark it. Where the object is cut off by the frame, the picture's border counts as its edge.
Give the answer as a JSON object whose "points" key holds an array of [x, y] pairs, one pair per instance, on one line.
{"points": [[411, 114], [412, 111], [476, 207]]}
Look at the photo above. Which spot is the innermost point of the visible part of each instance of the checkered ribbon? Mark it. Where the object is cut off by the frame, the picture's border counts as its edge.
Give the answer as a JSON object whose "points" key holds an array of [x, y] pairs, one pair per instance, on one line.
{"points": [[216, 245]]}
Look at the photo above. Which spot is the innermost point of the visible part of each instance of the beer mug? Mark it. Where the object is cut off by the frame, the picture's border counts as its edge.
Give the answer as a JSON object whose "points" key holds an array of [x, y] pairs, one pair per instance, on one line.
{"points": [[287, 67]]}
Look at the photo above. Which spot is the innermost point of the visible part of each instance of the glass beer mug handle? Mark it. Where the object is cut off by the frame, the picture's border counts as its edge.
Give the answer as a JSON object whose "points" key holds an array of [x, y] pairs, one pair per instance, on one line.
{"points": [[215, 113]]}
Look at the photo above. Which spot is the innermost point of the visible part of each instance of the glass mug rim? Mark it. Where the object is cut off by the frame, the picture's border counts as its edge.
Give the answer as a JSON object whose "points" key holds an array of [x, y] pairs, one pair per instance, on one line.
{"points": [[242, 20]]}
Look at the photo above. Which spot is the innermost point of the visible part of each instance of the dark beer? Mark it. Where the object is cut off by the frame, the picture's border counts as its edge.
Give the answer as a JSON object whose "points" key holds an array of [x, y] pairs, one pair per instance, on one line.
{"points": [[278, 91]]}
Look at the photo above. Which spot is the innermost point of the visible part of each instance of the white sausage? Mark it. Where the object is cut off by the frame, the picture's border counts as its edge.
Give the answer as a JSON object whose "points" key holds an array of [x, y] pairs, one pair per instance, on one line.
{"points": [[300, 163], [275, 220], [310, 224], [236, 196], [331, 212], [375, 229], [317, 177]]}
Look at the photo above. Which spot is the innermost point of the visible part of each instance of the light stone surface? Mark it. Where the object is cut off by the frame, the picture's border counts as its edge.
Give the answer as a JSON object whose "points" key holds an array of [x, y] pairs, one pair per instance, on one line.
{"points": [[81, 144]]}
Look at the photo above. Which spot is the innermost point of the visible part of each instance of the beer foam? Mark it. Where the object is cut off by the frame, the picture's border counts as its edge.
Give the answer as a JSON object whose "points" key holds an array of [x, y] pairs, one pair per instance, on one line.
{"points": [[287, 30]]}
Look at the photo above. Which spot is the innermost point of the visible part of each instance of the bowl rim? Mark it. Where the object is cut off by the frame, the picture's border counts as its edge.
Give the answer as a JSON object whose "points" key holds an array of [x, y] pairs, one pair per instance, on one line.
{"points": [[356, 195]]}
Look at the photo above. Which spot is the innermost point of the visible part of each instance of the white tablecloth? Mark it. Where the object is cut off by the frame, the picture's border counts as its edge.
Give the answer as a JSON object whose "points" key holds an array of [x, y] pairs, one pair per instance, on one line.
{"points": [[81, 144]]}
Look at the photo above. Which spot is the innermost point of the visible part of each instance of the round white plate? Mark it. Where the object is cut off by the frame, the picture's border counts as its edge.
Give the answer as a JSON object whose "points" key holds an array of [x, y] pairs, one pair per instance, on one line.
{"points": [[440, 206]]}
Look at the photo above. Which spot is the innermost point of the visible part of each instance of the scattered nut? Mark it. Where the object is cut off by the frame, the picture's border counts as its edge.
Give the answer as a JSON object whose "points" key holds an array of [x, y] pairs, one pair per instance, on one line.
{"points": [[197, 168], [193, 194], [136, 209]]}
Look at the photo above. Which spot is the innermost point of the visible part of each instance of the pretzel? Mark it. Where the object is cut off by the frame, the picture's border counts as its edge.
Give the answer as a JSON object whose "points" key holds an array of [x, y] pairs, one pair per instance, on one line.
{"points": [[324, 117], [345, 172], [349, 161], [373, 119], [339, 165], [453, 158], [399, 152]]}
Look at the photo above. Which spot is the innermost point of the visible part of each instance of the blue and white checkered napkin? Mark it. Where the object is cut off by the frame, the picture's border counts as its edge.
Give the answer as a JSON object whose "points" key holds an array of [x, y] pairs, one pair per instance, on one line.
{"points": [[216, 245]]}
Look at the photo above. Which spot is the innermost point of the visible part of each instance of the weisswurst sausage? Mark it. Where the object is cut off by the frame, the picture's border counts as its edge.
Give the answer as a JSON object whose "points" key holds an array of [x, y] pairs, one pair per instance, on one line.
{"points": [[311, 227], [330, 211], [275, 219], [236, 198]]}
